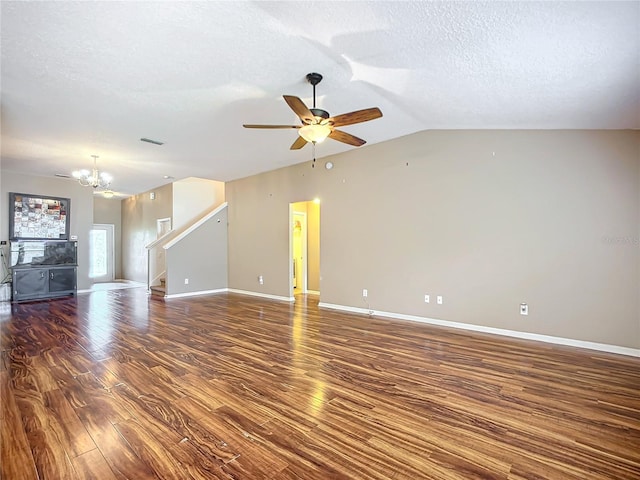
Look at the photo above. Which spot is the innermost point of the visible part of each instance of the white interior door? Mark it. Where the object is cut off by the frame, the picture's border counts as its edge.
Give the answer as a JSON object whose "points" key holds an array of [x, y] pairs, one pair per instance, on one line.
{"points": [[101, 257]]}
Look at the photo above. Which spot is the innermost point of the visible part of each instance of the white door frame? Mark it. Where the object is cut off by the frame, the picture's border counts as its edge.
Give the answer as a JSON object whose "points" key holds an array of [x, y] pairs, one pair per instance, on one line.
{"points": [[163, 226], [111, 261], [303, 234]]}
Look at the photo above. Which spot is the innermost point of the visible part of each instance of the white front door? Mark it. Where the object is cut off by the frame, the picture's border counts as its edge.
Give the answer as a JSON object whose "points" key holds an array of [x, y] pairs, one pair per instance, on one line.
{"points": [[101, 259]]}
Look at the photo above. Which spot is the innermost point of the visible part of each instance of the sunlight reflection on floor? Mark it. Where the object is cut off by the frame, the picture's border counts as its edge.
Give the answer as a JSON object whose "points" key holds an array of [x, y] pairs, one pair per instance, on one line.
{"points": [[117, 285]]}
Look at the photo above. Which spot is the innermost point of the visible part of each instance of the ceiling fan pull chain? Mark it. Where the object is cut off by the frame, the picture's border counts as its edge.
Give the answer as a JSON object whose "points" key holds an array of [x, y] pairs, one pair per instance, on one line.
{"points": [[313, 146]]}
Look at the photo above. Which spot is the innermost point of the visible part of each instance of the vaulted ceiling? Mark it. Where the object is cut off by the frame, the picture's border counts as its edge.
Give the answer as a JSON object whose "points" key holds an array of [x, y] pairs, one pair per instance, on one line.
{"points": [[85, 78]]}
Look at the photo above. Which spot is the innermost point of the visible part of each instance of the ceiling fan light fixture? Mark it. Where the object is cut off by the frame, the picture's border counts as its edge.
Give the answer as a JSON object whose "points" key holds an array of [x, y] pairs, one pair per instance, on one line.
{"points": [[315, 133]]}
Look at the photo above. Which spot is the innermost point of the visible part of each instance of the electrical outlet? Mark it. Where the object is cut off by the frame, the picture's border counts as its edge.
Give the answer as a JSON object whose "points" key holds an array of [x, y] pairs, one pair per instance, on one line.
{"points": [[261, 280], [364, 293], [439, 299], [524, 309], [426, 299], [186, 281]]}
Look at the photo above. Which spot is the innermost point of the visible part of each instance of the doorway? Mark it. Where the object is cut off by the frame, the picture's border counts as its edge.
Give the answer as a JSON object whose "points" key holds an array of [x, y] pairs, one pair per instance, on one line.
{"points": [[102, 255], [163, 226], [157, 256], [299, 248], [304, 248]]}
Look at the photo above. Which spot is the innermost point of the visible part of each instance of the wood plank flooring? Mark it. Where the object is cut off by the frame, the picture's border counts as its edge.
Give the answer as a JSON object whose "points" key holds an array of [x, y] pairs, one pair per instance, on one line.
{"points": [[117, 385]]}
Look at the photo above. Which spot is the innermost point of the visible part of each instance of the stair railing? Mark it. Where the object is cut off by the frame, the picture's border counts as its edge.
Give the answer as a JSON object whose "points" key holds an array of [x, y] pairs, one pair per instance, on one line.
{"points": [[156, 258]]}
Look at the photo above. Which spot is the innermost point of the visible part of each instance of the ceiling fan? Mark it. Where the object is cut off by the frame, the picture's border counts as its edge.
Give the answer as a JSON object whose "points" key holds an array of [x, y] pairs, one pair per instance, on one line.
{"points": [[318, 125]]}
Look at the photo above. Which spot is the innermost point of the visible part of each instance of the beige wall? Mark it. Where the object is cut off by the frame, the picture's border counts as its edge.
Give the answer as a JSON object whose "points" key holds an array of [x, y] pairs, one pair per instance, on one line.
{"points": [[313, 245], [109, 211], [139, 227], [487, 219], [81, 210], [200, 257], [193, 198], [183, 201]]}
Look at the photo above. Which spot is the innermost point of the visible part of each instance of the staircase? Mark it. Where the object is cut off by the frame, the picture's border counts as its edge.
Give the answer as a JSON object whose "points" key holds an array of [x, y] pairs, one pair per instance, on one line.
{"points": [[173, 254], [159, 290]]}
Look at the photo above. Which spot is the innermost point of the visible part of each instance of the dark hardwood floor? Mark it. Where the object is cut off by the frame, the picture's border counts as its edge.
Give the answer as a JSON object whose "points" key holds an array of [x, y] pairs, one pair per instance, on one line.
{"points": [[117, 385]]}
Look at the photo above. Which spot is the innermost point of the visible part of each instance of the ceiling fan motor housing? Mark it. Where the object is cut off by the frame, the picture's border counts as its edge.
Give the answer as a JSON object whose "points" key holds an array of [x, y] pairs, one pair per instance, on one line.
{"points": [[318, 112], [314, 78]]}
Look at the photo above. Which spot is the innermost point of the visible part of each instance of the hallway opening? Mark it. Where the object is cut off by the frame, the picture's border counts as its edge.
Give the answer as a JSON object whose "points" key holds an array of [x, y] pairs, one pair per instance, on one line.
{"points": [[304, 248]]}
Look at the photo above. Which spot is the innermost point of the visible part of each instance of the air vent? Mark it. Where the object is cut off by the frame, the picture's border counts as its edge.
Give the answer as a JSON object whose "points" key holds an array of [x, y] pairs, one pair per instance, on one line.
{"points": [[63, 175], [149, 140]]}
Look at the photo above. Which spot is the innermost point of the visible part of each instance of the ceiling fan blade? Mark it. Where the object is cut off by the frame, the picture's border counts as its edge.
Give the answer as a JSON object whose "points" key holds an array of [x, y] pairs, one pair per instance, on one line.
{"points": [[345, 137], [270, 126], [358, 116], [298, 144], [299, 108]]}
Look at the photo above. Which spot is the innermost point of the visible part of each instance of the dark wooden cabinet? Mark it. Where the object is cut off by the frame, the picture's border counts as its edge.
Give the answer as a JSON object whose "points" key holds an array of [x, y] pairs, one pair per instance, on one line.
{"points": [[32, 283], [44, 262]]}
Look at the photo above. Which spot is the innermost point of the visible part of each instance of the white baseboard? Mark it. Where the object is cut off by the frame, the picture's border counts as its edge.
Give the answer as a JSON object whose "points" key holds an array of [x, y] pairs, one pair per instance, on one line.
{"points": [[231, 290], [193, 294], [263, 295], [603, 347]]}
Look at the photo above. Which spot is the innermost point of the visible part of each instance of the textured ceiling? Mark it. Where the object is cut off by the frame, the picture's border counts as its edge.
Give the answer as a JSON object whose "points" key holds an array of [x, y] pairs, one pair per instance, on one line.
{"points": [[83, 78]]}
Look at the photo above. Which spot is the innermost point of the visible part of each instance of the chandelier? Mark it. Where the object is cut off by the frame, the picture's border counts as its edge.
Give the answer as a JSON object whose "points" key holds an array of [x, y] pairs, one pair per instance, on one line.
{"points": [[93, 178]]}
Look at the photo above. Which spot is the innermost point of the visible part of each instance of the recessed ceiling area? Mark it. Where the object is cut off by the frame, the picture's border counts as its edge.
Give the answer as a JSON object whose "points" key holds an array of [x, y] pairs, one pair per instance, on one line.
{"points": [[94, 78]]}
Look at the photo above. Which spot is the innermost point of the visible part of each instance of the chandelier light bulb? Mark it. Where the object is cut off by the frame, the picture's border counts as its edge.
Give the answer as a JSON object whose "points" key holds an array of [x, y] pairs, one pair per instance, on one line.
{"points": [[95, 178]]}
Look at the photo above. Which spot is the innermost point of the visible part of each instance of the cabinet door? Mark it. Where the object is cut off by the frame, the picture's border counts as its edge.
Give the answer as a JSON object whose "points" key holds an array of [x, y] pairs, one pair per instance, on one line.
{"points": [[62, 279], [30, 282]]}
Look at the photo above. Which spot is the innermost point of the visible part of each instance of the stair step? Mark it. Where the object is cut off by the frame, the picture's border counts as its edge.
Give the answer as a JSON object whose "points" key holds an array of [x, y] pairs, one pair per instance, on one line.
{"points": [[158, 290]]}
